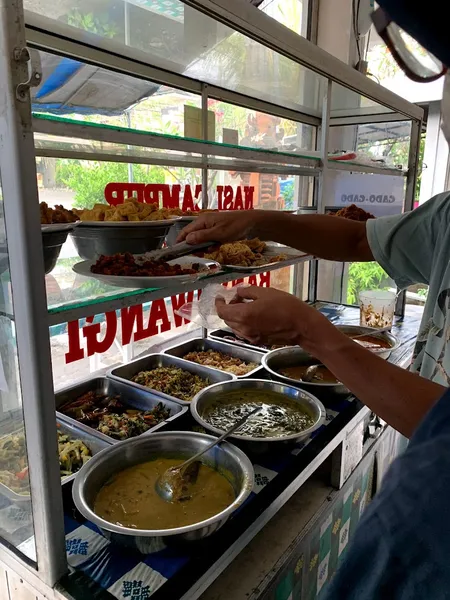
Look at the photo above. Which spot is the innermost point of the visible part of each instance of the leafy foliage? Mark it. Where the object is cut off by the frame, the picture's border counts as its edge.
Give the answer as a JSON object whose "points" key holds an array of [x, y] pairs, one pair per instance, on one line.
{"points": [[95, 23], [365, 276], [288, 195], [89, 178]]}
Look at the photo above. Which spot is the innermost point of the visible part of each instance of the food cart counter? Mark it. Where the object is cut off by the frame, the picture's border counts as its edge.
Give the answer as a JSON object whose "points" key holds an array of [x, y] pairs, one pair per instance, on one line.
{"points": [[295, 492]]}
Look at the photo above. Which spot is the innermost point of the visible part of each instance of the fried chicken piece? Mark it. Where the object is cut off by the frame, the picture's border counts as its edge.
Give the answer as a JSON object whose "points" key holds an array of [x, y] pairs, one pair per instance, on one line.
{"points": [[234, 253], [354, 213], [256, 245], [46, 213], [59, 214]]}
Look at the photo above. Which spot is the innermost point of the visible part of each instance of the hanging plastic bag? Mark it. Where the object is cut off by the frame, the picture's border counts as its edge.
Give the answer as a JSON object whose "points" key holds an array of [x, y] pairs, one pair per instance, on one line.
{"points": [[203, 312]]}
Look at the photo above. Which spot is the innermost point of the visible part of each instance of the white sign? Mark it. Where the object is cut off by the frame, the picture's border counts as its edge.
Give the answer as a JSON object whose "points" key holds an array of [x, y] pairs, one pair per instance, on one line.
{"points": [[381, 195]]}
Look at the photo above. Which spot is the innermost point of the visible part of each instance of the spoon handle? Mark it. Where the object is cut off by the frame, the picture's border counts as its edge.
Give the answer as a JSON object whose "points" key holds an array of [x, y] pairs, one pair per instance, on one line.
{"points": [[372, 333], [221, 438]]}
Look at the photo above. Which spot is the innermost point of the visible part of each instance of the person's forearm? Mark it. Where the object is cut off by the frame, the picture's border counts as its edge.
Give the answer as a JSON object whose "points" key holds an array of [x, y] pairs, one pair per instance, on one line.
{"points": [[324, 236], [399, 397]]}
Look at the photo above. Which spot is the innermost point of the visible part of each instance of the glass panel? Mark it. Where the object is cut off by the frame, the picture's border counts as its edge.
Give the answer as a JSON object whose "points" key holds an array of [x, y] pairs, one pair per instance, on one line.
{"points": [[345, 102], [416, 296], [178, 38], [16, 521], [265, 191], [342, 282], [308, 159], [45, 143], [290, 13], [96, 95], [81, 184], [71, 365], [240, 126], [383, 144]]}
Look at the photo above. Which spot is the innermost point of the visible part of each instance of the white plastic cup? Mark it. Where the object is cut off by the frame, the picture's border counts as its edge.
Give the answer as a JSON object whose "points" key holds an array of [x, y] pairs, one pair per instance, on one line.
{"points": [[377, 308]]}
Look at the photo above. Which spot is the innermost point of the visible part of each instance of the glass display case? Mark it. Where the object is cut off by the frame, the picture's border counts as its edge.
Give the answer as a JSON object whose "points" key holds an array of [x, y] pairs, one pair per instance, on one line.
{"points": [[213, 104]]}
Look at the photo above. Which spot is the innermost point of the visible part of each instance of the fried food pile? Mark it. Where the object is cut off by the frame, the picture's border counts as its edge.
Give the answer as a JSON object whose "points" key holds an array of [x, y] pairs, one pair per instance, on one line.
{"points": [[245, 253], [131, 210], [125, 265], [354, 213], [172, 381], [59, 214], [219, 360]]}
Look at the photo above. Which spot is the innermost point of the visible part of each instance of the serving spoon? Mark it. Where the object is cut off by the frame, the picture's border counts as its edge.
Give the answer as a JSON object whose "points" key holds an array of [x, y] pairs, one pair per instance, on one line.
{"points": [[173, 484], [372, 333]]}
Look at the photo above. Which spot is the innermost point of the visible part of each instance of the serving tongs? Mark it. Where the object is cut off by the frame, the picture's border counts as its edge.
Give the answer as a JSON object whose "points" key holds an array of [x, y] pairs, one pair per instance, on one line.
{"points": [[177, 250]]}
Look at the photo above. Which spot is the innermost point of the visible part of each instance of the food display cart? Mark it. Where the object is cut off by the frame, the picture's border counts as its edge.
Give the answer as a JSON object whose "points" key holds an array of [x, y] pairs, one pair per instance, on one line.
{"points": [[289, 536]]}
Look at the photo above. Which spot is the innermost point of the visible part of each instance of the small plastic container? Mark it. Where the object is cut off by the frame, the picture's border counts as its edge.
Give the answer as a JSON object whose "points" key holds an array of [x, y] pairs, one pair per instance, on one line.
{"points": [[377, 308]]}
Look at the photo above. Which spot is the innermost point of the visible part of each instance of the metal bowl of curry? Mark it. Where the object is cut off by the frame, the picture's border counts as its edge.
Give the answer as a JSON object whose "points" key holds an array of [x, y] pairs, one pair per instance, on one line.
{"points": [[288, 414], [115, 490], [383, 344], [294, 366]]}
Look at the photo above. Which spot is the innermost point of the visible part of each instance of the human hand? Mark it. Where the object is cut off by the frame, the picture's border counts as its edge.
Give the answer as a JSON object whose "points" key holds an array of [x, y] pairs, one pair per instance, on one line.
{"points": [[273, 317], [222, 227]]}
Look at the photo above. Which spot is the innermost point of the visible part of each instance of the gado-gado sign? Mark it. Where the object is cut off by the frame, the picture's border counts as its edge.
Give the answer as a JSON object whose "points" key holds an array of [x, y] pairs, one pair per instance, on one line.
{"points": [[380, 195]]}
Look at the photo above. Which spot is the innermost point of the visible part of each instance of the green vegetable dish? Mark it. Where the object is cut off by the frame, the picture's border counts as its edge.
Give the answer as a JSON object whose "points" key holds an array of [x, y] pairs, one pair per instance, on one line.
{"points": [[172, 381], [280, 416], [73, 454]]}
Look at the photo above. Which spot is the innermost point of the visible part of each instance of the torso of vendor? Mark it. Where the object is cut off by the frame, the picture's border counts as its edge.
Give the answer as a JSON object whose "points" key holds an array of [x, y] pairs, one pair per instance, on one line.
{"points": [[415, 248]]}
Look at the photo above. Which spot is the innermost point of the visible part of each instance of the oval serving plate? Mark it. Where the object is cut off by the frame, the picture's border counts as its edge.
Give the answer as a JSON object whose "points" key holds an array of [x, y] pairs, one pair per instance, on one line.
{"points": [[84, 268]]}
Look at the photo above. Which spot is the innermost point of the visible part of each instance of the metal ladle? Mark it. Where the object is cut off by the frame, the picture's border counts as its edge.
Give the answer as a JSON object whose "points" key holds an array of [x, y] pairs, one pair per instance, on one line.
{"points": [[173, 484]]}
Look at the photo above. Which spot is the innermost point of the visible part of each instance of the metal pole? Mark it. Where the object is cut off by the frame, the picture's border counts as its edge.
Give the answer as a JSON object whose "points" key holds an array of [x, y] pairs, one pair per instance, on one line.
{"points": [[126, 20], [21, 206], [205, 170], [410, 191], [321, 184], [205, 138]]}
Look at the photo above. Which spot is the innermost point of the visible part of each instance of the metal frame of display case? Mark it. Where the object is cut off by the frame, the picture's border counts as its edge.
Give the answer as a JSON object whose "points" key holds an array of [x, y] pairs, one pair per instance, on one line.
{"points": [[17, 160]]}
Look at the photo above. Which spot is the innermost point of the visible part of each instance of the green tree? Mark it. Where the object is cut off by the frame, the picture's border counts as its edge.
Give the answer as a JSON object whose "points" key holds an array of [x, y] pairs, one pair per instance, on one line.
{"points": [[89, 178], [100, 23], [365, 276], [288, 195]]}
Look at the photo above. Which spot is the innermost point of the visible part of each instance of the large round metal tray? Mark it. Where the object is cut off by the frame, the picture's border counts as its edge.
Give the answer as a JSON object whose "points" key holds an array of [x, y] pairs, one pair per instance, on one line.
{"points": [[309, 403]]}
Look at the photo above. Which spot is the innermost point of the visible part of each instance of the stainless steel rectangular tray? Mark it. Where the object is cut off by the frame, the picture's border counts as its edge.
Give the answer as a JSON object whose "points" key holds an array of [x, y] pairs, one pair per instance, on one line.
{"points": [[221, 336], [95, 444], [200, 344], [134, 397], [153, 361], [272, 249]]}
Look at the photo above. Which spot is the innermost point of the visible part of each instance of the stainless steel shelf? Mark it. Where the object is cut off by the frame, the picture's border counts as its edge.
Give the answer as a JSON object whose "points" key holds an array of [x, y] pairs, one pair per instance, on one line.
{"points": [[338, 165], [107, 135]]}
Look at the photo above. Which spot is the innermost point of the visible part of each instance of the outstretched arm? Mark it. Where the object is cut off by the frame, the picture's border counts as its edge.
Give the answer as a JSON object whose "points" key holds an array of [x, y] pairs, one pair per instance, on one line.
{"points": [[399, 397], [328, 237]]}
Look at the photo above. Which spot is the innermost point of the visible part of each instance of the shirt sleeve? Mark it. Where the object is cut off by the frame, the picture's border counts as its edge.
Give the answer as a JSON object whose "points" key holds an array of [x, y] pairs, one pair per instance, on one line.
{"points": [[401, 547], [405, 245]]}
